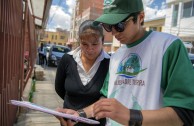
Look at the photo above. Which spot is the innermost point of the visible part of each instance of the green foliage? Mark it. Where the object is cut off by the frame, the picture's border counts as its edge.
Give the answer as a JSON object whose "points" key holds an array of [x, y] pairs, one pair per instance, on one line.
{"points": [[32, 90]]}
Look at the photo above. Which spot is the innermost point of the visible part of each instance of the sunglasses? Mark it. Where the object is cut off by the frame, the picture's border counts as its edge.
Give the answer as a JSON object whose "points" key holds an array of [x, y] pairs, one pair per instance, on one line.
{"points": [[119, 27]]}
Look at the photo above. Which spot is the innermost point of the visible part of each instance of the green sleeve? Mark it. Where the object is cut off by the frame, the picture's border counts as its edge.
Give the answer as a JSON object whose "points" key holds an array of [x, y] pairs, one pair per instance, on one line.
{"points": [[177, 77], [104, 89]]}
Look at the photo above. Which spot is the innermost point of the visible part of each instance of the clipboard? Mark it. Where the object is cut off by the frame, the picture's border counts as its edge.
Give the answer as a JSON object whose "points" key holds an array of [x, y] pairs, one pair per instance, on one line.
{"points": [[52, 112]]}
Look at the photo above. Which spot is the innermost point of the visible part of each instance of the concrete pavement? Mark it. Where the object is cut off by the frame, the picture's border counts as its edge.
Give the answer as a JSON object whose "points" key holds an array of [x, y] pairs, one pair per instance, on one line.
{"points": [[46, 96]]}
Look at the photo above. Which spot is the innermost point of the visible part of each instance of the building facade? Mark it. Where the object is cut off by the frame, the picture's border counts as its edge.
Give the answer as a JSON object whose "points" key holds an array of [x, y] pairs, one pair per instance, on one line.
{"points": [[155, 24], [180, 19], [58, 37]]}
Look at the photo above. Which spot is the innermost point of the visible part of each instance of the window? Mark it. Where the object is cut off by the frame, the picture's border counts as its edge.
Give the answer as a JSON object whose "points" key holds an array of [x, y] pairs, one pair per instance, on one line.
{"points": [[175, 15], [193, 9], [60, 49], [188, 9], [153, 28], [55, 37], [62, 37]]}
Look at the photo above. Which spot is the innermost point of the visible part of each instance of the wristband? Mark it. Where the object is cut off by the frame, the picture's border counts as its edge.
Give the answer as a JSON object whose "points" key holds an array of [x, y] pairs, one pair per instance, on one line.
{"points": [[136, 118], [82, 113]]}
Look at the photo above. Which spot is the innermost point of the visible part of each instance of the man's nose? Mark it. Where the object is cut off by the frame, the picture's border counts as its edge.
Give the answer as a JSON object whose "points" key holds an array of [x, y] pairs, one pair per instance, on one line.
{"points": [[114, 32]]}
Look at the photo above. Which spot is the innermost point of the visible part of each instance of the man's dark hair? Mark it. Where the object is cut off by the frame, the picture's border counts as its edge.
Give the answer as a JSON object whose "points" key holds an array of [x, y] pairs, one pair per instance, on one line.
{"points": [[135, 15]]}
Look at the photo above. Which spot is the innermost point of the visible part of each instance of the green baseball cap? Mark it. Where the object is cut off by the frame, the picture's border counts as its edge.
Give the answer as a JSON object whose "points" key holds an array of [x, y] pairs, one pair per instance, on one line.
{"points": [[116, 11]]}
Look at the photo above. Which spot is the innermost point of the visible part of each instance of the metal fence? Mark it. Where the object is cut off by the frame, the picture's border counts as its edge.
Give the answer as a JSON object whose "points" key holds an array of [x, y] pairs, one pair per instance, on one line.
{"points": [[17, 42]]}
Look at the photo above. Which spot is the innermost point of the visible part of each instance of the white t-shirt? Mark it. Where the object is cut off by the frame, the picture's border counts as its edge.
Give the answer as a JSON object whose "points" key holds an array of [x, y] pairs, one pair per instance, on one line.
{"points": [[151, 73]]}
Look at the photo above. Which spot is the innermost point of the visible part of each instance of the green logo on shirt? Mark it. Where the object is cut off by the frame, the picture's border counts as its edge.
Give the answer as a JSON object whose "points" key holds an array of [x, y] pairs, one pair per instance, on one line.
{"points": [[108, 2], [130, 66]]}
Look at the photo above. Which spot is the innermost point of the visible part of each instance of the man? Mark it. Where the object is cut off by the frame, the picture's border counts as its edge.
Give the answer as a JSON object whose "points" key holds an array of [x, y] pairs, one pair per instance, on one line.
{"points": [[151, 80]]}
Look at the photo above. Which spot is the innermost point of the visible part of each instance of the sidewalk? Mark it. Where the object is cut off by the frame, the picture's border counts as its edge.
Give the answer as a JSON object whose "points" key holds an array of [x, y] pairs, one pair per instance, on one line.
{"points": [[46, 96]]}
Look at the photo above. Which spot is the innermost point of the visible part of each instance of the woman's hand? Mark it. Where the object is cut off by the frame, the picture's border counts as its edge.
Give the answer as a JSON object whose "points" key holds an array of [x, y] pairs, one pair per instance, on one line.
{"points": [[66, 111], [113, 109]]}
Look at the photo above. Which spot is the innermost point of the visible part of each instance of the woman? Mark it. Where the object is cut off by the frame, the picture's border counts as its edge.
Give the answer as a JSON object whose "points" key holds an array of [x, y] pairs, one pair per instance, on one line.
{"points": [[81, 73]]}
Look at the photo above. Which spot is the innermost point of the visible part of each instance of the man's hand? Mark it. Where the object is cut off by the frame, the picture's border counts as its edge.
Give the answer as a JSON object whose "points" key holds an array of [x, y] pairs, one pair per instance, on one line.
{"points": [[113, 109]]}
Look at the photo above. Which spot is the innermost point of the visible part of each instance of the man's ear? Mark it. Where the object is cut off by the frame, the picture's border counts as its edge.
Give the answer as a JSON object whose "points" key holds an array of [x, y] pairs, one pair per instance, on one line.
{"points": [[142, 16]]}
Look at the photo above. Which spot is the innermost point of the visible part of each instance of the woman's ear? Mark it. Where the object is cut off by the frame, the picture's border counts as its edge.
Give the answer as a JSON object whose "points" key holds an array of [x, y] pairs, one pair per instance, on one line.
{"points": [[103, 39]]}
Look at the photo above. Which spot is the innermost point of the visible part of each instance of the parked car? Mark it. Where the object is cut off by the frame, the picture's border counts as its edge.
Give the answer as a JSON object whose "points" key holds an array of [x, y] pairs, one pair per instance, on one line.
{"points": [[110, 53], [188, 44], [191, 57], [55, 54]]}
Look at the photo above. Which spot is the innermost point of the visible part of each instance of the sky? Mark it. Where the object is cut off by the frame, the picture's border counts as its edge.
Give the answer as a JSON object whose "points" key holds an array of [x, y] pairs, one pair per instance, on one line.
{"points": [[61, 11]]}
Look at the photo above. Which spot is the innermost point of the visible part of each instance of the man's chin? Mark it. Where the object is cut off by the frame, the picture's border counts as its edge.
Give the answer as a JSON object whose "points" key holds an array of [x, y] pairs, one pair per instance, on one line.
{"points": [[123, 42]]}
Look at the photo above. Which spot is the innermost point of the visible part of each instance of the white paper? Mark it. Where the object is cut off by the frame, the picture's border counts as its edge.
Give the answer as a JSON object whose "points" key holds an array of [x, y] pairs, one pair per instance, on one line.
{"points": [[53, 112]]}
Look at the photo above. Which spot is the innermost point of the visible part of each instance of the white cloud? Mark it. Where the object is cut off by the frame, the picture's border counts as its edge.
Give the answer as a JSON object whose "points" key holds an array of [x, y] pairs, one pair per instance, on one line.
{"points": [[71, 5], [51, 30], [163, 5], [58, 18], [148, 2], [151, 13]]}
